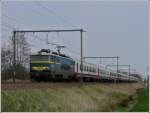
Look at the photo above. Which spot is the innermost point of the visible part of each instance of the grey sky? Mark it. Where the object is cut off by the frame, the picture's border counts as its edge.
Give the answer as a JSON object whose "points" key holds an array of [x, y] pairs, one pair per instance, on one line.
{"points": [[113, 28]]}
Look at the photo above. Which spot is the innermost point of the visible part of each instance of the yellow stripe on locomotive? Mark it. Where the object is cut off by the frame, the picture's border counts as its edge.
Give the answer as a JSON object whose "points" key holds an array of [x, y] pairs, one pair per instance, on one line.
{"points": [[40, 68]]}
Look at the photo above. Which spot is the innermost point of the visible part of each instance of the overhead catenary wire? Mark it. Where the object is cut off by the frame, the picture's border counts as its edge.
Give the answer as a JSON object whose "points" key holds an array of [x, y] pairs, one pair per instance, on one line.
{"points": [[12, 28], [6, 38], [54, 14], [6, 30], [37, 37], [71, 45], [51, 12], [38, 12], [13, 19], [7, 26], [16, 20]]}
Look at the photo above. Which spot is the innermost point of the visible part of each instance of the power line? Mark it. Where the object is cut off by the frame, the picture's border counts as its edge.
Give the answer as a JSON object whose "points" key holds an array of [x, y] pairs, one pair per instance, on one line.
{"points": [[37, 12], [7, 26], [77, 53], [42, 40], [7, 38], [37, 37], [25, 25], [71, 50], [54, 14], [6, 30], [41, 14], [71, 45], [10, 27], [13, 19]]}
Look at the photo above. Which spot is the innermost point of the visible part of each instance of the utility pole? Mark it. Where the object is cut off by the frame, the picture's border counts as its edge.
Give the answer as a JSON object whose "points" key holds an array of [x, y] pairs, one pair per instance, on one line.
{"points": [[147, 80], [117, 67], [14, 55], [129, 71], [81, 31], [39, 31]]}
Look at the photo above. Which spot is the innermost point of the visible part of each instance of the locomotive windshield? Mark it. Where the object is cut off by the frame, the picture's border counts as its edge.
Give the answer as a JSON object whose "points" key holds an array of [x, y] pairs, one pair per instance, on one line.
{"points": [[39, 57]]}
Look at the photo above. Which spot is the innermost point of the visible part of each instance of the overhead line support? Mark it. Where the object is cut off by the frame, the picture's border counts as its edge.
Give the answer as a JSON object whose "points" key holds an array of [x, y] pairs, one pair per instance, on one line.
{"points": [[34, 31]]}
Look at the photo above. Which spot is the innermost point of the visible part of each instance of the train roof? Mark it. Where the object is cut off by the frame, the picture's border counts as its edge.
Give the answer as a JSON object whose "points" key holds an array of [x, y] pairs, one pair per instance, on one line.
{"points": [[84, 62], [55, 54]]}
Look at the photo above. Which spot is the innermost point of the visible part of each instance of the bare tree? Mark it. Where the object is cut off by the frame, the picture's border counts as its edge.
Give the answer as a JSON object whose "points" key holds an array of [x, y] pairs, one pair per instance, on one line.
{"points": [[22, 57], [22, 49]]}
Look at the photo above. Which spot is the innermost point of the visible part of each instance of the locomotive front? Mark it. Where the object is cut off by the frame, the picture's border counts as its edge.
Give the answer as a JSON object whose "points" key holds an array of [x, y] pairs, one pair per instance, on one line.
{"points": [[40, 67]]}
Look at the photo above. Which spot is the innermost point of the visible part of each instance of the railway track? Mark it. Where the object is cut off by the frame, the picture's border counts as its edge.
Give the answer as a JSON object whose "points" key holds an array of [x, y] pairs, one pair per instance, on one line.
{"points": [[42, 85]]}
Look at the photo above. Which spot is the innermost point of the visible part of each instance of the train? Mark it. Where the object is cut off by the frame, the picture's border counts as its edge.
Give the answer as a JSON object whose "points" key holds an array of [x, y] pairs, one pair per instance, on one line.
{"points": [[54, 66]]}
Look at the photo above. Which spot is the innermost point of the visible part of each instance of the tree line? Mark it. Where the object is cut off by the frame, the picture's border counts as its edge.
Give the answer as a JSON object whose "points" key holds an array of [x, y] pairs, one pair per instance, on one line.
{"points": [[22, 58]]}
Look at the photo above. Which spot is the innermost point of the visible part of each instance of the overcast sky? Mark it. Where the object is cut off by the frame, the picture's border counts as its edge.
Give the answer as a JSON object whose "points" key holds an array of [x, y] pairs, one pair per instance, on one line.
{"points": [[112, 28]]}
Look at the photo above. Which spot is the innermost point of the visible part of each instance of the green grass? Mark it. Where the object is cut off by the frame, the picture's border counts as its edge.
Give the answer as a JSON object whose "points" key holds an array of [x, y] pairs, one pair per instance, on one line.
{"points": [[143, 102], [64, 98], [121, 109], [141, 105]]}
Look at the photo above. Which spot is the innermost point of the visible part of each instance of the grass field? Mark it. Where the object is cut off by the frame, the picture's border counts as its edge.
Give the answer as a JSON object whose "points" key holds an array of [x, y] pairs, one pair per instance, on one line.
{"points": [[70, 97], [143, 101]]}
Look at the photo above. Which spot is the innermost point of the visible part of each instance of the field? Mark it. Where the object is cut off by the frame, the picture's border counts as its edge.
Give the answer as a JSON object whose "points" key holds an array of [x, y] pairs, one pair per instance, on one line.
{"points": [[67, 96], [143, 101]]}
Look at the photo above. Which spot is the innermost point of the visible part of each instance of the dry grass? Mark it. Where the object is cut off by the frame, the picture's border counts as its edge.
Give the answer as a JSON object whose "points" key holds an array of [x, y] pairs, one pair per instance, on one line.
{"points": [[69, 97]]}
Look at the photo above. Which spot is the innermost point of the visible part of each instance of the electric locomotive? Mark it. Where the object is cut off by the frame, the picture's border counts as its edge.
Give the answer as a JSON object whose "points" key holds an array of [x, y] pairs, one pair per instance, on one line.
{"points": [[51, 66]]}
